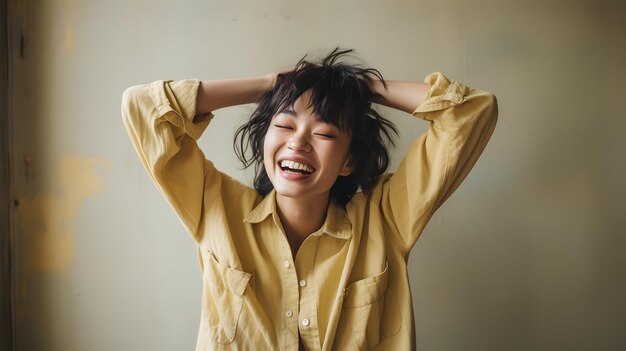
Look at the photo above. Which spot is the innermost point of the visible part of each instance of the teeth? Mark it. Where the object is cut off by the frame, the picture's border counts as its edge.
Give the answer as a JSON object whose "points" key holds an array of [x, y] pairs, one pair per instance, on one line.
{"points": [[296, 165]]}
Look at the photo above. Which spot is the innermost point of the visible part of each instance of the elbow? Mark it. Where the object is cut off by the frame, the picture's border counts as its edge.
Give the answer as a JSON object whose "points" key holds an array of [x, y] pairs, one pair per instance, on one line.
{"points": [[489, 107], [494, 108], [492, 101], [129, 98], [489, 115], [483, 111], [133, 104]]}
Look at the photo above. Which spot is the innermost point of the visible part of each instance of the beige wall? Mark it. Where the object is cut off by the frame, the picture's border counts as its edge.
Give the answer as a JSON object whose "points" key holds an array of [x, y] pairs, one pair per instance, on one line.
{"points": [[527, 255]]}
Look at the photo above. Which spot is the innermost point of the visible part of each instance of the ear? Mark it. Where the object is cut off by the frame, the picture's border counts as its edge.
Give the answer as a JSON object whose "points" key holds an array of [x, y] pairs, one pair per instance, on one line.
{"points": [[348, 166]]}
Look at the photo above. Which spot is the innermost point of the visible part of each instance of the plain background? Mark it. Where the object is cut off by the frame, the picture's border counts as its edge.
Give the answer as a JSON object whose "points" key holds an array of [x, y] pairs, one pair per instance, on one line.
{"points": [[526, 255]]}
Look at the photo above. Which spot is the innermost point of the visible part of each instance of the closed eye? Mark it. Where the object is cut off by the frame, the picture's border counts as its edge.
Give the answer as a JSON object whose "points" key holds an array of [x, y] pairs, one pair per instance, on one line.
{"points": [[326, 135], [282, 126]]}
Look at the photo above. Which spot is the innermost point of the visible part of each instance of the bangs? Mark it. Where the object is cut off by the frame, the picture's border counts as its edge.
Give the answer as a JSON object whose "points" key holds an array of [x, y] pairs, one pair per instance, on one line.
{"points": [[326, 108], [339, 92]]}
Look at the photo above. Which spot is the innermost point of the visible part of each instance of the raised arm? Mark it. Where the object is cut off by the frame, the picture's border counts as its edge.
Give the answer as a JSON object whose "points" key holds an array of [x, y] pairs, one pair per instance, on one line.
{"points": [[462, 121], [164, 119]]}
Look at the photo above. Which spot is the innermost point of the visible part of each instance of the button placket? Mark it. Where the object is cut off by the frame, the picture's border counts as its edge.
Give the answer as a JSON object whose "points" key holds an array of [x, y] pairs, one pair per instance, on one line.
{"points": [[307, 314], [290, 296]]}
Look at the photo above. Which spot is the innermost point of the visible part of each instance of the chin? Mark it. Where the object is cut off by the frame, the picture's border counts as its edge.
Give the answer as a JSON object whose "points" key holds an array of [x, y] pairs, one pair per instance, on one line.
{"points": [[291, 193]]}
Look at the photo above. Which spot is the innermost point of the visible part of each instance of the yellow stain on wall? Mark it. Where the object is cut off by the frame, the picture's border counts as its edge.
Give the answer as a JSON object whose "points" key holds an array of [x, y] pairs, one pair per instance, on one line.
{"points": [[48, 219], [69, 39]]}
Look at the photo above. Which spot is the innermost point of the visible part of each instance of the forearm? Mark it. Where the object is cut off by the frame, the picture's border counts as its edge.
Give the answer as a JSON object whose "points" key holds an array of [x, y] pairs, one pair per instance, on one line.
{"points": [[216, 94], [404, 96]]}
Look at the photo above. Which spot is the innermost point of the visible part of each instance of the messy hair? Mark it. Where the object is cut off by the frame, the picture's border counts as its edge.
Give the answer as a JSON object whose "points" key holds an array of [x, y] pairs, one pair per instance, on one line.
{"points": [[340, 95]]}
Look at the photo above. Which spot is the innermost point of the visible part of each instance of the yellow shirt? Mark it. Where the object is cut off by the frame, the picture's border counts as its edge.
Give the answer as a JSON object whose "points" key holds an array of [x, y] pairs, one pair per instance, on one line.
{"points": [[347, 288]]}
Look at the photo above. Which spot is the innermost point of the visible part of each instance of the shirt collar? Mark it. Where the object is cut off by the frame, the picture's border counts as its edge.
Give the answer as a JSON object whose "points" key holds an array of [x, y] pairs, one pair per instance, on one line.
{"points": [[266, 207], [337, 223]]}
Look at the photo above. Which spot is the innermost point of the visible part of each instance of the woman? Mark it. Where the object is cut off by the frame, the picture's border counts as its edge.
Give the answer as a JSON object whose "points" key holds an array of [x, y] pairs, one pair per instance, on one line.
{"points": [[303, 260]]}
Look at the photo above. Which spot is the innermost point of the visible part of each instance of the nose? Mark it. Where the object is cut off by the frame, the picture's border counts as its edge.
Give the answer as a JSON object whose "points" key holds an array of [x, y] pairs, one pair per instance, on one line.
{"points": [[298, 143]]}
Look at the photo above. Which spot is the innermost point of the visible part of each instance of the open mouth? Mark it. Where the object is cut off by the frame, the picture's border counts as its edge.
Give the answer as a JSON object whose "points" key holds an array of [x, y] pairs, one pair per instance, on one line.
{"points": [[296, 167]]}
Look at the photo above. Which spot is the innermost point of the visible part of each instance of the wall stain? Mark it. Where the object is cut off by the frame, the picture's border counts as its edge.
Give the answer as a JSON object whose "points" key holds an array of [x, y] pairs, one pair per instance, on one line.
{"points": [[69, 39], [45, 221]]}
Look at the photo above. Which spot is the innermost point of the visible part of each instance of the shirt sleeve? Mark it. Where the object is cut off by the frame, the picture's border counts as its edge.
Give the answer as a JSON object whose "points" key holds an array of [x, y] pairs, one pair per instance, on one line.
{"points": [[161, 122], [462, 120]]}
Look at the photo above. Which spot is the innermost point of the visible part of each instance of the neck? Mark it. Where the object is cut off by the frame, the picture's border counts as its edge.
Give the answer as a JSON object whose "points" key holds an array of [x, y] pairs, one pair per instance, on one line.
{"points": [[301, 217]]}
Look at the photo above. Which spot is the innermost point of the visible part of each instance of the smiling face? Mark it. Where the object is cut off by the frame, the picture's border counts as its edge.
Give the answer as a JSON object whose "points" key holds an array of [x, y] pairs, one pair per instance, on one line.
{"points": [[302, 155]]}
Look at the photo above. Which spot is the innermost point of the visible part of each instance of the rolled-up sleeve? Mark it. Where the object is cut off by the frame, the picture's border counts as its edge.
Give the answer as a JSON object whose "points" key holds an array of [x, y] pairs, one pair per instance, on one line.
{"points": [[160, 120], [462, 121]]}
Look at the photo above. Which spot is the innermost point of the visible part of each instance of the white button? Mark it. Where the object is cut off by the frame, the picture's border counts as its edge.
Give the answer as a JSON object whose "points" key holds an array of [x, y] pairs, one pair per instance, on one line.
{"points": [[303, 283], [286, 263], [288, 313], [305, 322]]}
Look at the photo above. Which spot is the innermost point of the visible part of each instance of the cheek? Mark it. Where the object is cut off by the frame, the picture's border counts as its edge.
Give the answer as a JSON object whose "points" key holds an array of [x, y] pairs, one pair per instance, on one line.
{"points": [[338, 153], [268, 149], [267, 142]]}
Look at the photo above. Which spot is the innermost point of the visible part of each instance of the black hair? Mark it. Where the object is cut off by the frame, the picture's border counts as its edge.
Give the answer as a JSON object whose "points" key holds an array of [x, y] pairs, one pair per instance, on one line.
{"points": [[340, 95]]}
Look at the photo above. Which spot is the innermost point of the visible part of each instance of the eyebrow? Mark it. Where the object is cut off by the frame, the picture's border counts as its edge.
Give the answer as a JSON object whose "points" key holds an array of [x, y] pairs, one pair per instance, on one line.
{"points": [[289, 111]]}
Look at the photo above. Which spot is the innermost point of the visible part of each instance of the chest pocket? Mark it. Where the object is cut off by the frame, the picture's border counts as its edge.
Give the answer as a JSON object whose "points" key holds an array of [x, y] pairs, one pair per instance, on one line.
{"points": [[369, 312], [223, 300]]}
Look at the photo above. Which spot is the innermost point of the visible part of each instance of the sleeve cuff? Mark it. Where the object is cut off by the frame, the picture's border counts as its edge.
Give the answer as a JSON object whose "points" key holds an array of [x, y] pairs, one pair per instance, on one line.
{"points": [[443, 93], [180, 97]]}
